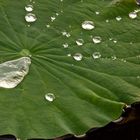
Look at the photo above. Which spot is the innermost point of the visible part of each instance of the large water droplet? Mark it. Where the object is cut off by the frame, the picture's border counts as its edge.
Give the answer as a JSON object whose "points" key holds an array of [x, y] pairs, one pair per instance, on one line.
{"points": [[50, 97], [13, 72], [29, 8], [132, 15], [30, 17], [78, 56], [96, 55], [97, 39], [79, 42], [88, 25]]}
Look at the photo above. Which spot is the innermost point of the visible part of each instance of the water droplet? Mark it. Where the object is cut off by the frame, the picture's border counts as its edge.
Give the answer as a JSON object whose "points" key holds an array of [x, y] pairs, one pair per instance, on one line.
{"points": [[80, 42], [48, 26], [118, 18], [57, 14], [53, 18], [97, 12], [97, 39], [29, 8], [65, 45], [13, 72], [115, 41], [88, 25], [138, 2], [69, 55], [78, 56], [138, 77], [132, 15], [96, 55], [64, 33], [50, 97], [30, 17], [113, 57], [123, 60], [106, 20]]}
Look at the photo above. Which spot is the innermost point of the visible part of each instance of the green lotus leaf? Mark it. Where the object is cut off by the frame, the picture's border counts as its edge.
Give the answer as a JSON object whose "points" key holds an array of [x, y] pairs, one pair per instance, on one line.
{"points": [[82, 94]]}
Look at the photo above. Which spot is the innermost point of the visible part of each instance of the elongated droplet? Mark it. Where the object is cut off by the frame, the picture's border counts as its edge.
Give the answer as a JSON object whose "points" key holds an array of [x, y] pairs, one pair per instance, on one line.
{"points": [[96, 55], [79, 42], [132, 15], [88, 25], [13, 72], [78, 56], [97, 39], [30, 17], [50, 97], [29, 8]]}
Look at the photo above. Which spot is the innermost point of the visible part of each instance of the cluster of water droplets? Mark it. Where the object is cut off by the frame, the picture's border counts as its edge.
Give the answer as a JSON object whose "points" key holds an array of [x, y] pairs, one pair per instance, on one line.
{"points": [[86, 25], [30, 17]]}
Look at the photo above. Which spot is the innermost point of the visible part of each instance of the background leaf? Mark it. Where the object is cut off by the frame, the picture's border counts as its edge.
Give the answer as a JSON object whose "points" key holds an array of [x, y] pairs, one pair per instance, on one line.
{"points": [[88, 93]]}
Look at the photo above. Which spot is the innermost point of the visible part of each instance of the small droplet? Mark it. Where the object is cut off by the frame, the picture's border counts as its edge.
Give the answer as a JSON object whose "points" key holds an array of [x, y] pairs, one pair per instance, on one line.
{"points": [[30, 17], [118, 18], [97, 39], [113, 57], [53, 18], [80, 42], [78, 56], [65, 45], [96, 55], [88, 25], [48, 26], [13, 72], [50, 97], [106, 20], [69, 55], [29, 8], [57, 14], [138, 77], [123, 60], [138, 2], [64, 33], [132, 15], [97, 12], [115, 41]]}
